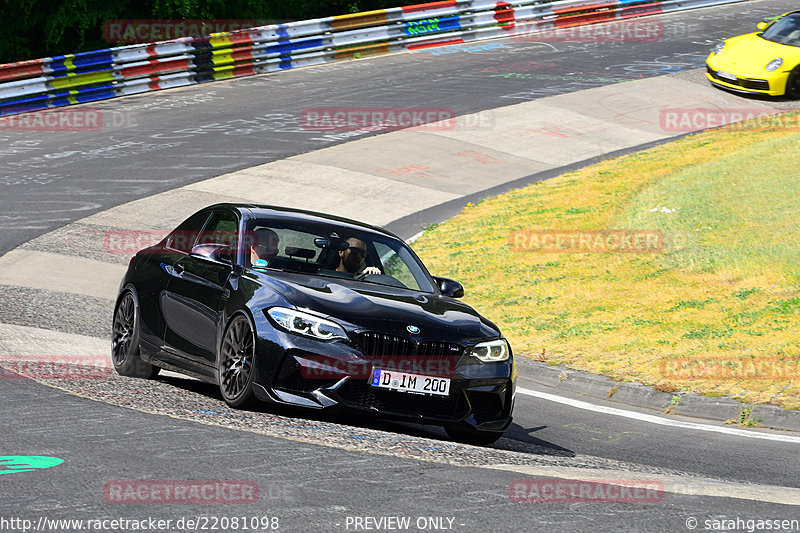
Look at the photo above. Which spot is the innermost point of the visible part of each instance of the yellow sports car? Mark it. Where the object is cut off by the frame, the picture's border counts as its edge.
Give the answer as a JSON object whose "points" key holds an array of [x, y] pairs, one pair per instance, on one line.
{"points": [[766, 62]]}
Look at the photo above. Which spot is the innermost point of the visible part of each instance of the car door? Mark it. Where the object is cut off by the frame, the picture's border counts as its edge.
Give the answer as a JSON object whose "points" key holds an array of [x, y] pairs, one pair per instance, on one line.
{"points": [[156, 272], [198, 289]]}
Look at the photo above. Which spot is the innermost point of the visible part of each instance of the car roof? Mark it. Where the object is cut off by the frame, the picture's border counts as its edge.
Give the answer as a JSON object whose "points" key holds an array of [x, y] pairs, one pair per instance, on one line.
{"points": [[277, 212]]}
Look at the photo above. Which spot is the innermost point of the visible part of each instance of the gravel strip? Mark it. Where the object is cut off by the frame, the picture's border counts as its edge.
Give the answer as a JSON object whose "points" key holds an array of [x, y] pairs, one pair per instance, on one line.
{"points": [[58, 311], [194, 400], [92, 241]]}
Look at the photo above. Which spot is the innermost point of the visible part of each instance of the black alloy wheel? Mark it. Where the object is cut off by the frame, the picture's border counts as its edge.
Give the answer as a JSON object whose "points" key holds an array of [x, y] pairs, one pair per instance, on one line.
{"points": [[125, 341], [236, 363]]}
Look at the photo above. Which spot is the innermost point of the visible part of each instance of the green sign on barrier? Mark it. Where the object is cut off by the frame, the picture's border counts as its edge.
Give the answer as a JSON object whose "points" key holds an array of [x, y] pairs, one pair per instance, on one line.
{"points": [[12, 464]]}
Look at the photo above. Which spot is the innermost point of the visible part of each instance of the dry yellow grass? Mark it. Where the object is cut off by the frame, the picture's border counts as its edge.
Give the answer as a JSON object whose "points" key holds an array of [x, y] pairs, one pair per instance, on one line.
{"points": [[720, 302]]}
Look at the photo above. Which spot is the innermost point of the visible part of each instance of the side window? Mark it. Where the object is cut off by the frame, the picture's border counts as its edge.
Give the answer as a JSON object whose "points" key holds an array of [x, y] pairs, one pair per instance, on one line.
{"points": [[394, 266], [222, 228], [184, 237]]}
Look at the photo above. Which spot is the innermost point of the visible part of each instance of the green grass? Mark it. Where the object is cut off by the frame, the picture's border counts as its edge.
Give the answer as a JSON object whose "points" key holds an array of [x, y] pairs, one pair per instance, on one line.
{"points": [[737, 212], [725, 285]]}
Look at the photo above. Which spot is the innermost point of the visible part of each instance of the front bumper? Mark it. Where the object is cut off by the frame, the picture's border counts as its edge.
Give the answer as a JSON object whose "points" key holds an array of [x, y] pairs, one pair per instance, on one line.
{"points": [[485, 406], [772, 85], [308, 373]]}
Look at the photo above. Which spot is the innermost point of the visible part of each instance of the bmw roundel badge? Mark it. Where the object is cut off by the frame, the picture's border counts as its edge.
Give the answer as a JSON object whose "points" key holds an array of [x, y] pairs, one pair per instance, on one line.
{"points": [[412, 329]]}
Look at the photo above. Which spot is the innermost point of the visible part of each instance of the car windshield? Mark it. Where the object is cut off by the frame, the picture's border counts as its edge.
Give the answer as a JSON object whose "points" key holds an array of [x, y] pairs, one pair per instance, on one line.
{"points": [[785, 30], [334, 251]]}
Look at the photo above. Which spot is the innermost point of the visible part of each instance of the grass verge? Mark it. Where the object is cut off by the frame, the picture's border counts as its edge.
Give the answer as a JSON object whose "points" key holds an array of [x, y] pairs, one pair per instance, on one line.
{"points": [[715, 310]]}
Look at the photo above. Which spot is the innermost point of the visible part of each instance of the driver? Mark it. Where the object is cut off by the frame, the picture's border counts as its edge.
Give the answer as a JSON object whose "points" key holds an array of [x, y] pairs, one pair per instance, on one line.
{"points": [[265, 245], [350, 260]]}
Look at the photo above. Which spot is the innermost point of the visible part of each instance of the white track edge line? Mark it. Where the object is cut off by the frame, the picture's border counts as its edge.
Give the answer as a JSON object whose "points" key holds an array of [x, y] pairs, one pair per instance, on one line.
{"points": [[657, 419]]}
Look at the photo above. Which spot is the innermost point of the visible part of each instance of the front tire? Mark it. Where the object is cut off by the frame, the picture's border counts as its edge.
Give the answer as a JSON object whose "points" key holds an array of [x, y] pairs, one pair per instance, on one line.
{"points": [[237, 363], [125, 341], [793, 85]]}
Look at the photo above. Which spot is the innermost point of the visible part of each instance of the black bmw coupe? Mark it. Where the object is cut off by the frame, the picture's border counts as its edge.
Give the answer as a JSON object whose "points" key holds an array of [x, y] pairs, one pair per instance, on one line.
{"points": [[312, 310]]}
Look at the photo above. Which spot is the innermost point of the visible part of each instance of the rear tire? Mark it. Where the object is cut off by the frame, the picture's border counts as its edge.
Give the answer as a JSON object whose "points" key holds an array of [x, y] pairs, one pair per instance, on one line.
{"points": [[474, 436], [125, 341], [793, 85], [237, 363]]}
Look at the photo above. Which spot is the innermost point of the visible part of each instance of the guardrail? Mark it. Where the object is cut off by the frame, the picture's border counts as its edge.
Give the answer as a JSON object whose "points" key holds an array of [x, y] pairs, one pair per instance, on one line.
{"points": [[133, 69]]}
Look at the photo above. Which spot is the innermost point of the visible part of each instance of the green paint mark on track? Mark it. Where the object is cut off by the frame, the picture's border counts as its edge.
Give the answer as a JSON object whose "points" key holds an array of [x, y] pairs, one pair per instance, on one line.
{"points": [[13, 464]]}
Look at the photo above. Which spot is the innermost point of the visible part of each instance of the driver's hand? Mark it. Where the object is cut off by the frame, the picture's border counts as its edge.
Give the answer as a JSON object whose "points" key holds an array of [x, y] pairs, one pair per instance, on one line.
{"points": [[371, 270]]}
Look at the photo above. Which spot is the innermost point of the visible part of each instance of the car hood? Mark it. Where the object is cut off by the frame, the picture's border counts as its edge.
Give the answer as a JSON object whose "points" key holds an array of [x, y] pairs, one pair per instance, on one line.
{"points": [[747, 55], [382, 308]]}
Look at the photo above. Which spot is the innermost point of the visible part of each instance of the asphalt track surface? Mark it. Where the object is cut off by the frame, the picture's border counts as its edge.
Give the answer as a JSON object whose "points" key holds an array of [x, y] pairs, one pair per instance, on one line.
{"points": [[179, 137], [168, 139]]}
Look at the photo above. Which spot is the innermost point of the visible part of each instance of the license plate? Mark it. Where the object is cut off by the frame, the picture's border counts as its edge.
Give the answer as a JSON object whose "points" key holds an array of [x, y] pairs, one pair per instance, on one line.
{"points": [[413, 383], [726, 75]]}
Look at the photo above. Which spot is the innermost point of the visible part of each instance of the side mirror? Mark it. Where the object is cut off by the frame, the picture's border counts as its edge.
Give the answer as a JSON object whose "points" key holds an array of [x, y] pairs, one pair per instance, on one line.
{"points": [[449, 287], [221, 253], [762, 25], [227, 254]]}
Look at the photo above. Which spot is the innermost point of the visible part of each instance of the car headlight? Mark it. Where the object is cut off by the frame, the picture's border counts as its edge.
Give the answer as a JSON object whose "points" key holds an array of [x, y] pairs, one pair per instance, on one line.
{"points": [[491, 351], [719, 47], [306, 324], [775, 64]]}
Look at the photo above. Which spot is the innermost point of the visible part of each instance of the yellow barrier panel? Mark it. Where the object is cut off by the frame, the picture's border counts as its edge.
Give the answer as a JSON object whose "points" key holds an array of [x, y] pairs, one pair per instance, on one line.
{"points": [[76, 80], [359, 20]]}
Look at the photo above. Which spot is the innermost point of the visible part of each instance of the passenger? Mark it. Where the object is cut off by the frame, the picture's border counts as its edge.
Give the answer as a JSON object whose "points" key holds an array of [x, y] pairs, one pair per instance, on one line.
{"points": [[350, 260], [265, 245]]}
